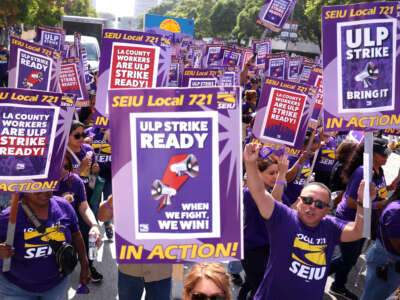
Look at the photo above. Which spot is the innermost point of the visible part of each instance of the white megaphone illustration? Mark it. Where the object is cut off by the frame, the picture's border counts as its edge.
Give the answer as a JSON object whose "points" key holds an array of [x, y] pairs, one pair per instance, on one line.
{"points": [[159, 190], [188, 166], [370, 72]]}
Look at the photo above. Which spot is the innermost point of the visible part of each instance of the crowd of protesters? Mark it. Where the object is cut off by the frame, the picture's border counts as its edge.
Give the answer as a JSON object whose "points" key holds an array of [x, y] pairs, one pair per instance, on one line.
{"points": [[295, 213]]}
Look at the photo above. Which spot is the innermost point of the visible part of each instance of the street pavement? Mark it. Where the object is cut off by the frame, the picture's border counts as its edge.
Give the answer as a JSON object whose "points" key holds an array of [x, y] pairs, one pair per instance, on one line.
{"points": [[107, 290]]}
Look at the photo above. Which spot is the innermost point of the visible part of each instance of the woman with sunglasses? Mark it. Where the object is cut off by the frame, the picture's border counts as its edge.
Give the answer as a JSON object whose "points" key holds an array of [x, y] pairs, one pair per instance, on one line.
{"points": [[256, 243], [72, 189], [346, 210], [34, 271], [84, 163], [207, 281]]}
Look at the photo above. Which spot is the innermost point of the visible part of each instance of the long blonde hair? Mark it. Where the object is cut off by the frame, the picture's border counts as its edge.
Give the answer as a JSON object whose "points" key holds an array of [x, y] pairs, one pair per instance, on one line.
{"points": [[213, 271]]}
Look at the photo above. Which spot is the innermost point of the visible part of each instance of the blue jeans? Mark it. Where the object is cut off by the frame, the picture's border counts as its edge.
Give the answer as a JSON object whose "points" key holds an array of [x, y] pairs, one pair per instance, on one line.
{"points": [[376, 288], [131, 288], [107, 191], [343, 264], [235, 267], [10, 291], [4, 201]]}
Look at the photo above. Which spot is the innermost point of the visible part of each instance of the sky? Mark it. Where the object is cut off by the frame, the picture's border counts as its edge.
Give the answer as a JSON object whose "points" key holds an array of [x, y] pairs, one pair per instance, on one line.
{"points": [[117, 7]]}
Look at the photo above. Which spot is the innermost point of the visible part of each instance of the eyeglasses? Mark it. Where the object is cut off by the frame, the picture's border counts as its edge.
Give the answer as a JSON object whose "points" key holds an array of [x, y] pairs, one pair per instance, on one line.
{"points": [[318, 203], [201, 296], [77, 136]]}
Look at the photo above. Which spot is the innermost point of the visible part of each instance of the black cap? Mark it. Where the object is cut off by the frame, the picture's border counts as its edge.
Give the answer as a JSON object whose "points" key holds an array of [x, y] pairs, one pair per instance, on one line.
{"points": [[254, 80], [380, 146]]}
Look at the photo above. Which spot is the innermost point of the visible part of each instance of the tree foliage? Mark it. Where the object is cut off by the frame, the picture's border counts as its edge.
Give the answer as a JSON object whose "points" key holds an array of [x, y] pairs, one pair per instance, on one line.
{"points": [[30, 12], [45, 12], [223, 17]]}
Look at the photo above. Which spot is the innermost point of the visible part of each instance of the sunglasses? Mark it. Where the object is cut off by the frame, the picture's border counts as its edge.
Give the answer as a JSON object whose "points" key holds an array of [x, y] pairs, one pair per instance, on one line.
{"points": [[67, 167], [201, 296], [318, 203], [77, 136]]}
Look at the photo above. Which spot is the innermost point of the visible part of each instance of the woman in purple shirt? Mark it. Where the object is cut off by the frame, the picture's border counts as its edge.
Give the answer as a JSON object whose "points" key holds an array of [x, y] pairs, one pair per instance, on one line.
{"points": [[34, 271], [84, 163], [346, 210], [256, 244]]}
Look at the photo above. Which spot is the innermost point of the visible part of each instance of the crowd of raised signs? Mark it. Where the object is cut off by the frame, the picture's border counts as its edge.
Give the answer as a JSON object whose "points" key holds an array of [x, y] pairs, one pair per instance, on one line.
{"points": [[296, 208]]}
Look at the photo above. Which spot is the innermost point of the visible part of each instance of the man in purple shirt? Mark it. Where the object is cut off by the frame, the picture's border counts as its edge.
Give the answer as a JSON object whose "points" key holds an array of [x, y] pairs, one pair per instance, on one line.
{"points": [[301, 241]]}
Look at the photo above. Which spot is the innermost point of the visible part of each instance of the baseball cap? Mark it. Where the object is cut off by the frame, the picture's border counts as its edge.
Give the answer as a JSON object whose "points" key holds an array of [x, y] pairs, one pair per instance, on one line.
{"points": [[380, 146]]}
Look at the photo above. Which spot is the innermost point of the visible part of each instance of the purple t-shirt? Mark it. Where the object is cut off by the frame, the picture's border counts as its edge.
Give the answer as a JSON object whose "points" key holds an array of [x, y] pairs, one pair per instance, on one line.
{"points": [[81, 155], [389, 223], [72, 189], [3, 63], [349, 214], [326, 157], [255, 234], [33, 266], [299, 256], [103, 152], [294, 187]]}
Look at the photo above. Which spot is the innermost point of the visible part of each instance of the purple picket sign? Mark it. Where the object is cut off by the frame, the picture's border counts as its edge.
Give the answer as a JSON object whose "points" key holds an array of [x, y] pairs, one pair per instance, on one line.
{"points": [[52, 37], [283, 113], [276, 65], [33, 66], [262, 48], [213, 56], [130, 59], [231, 56], [294, 66], [175, 73], [315, 80], [360, 59], [71, 81], [34, 134], [274, 14], [176, 175], [229, 77], [307, 65], [193, 77]]}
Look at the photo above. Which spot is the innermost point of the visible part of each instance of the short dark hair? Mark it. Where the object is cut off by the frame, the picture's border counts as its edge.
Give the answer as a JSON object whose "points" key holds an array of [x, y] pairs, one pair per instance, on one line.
{"points": [[321, 185]]}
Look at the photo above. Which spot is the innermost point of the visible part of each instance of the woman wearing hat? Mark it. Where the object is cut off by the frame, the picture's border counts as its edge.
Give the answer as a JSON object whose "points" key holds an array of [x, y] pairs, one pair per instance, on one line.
{"points": [[346, 210]]}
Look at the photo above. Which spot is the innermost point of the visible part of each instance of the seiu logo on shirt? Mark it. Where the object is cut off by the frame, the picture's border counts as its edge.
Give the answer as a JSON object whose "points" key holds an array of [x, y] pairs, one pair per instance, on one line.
{"points": [[36, 243], [308, 257], [328, 154], [104, 147], [69, 197], [382, 192]]}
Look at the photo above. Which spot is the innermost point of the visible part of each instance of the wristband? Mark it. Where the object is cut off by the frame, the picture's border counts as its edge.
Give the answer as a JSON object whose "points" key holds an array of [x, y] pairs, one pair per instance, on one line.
{"points": [[360, 215], [359, 203], [108, 206], [374, 205], [280, 182], [248, 65]]}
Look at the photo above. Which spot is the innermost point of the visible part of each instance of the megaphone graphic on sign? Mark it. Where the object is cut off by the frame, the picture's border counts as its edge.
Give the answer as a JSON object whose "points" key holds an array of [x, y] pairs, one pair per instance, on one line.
{"points": [[370, 72], [188, 166], [159, 190]]}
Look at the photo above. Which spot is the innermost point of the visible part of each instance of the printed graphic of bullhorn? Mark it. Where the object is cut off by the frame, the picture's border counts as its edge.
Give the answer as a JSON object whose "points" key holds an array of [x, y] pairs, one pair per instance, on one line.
{"points": [[370, 72], [188, 166], [159, 190], [32, 79]]}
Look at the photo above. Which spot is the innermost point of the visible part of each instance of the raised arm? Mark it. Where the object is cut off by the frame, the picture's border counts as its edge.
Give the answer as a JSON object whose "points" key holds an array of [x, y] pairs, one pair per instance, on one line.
{"points": [[264, 200], [280, 182]]}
